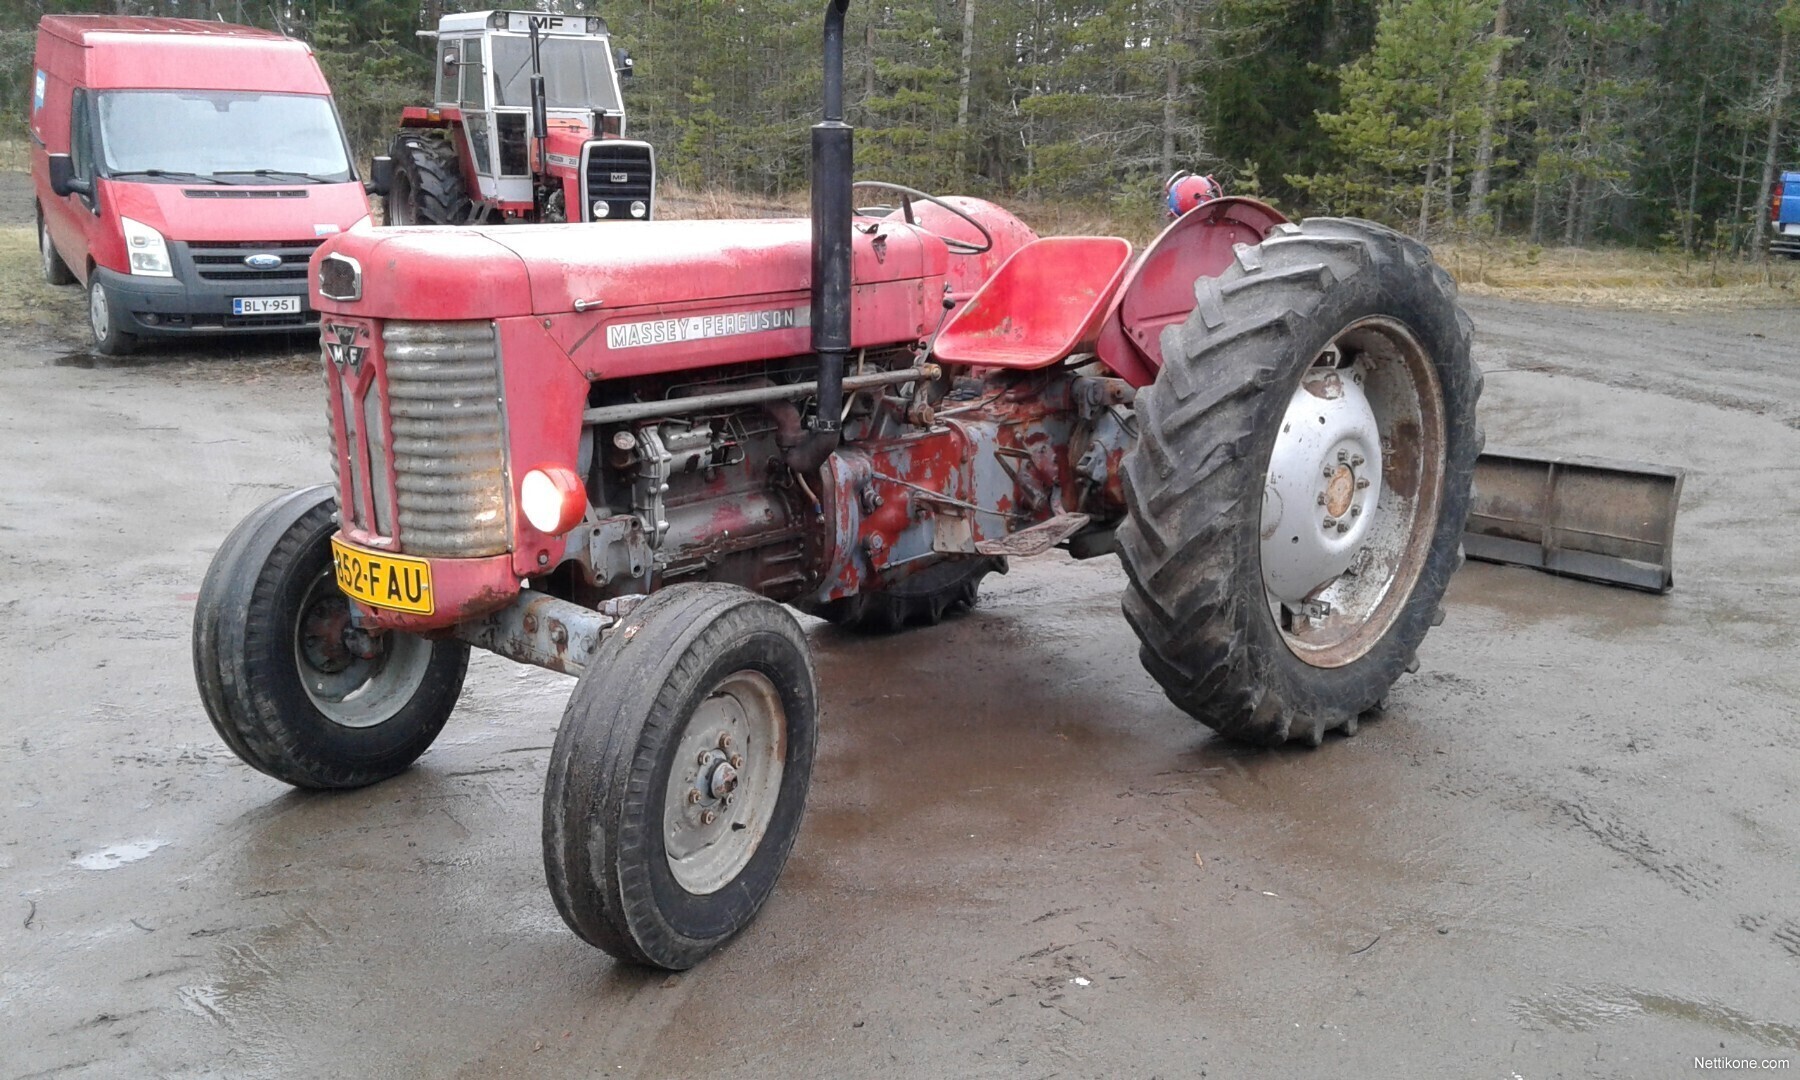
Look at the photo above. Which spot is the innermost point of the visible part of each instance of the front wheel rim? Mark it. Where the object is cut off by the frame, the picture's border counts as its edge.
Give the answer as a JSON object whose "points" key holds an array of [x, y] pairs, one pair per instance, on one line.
{"points": [[355, 680], [99, 312], [1349, 518], [724, 782]]}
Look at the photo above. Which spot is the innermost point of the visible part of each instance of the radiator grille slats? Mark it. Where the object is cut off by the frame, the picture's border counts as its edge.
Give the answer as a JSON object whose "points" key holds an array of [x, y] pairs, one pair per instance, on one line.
{"points": [[448, 450]]}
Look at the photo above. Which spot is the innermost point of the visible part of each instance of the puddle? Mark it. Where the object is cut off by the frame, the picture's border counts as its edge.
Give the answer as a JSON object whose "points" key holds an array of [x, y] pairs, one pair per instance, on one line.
{"points": [[111, 858], [1576, 1009]]}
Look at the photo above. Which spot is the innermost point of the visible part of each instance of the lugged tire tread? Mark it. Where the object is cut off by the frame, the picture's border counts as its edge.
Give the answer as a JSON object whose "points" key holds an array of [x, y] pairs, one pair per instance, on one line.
{"points": [[1186, 481]]}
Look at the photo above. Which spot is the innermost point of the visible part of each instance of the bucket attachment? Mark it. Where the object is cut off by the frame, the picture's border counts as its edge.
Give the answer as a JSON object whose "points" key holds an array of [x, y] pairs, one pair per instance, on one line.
{"points": [[1606, 521]]}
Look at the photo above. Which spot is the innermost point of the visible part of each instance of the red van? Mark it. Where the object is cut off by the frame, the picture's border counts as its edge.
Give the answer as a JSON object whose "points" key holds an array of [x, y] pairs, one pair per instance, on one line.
{"points": [[185, 171]]}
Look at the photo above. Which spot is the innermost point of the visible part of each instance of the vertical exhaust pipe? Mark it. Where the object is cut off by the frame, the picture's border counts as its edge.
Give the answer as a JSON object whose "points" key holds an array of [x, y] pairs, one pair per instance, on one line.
{"points": [[833, 159]]}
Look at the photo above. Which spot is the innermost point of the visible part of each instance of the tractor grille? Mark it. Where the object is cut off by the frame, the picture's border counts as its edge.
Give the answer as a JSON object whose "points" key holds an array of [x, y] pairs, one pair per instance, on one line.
{"points": [[224, 261], [621, 173], [449, 457]]}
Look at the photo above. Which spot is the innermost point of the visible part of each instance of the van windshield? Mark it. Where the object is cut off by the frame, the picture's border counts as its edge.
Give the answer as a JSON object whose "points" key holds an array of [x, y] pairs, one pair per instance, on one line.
{"points": [[578, 72], [267, 138]]}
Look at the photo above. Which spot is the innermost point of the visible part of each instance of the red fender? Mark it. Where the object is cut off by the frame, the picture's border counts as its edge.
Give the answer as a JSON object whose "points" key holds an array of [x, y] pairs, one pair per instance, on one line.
{"points": [[1159, 291]]}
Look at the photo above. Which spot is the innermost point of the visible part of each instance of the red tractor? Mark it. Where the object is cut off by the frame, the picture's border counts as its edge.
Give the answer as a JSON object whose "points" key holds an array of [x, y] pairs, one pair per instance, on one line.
{"points": [[529, 126], [619, 461]]}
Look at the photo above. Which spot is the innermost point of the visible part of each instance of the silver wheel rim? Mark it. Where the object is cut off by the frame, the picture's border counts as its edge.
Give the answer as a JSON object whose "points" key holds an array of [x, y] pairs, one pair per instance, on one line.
{"points": [[99, 312], [45, 249], [725, 782], [354, 682], [1351, 495]]}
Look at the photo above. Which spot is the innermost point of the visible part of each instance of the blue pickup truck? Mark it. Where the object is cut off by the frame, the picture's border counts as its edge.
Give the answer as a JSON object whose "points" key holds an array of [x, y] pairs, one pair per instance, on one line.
{"points": [[1784, 213]]}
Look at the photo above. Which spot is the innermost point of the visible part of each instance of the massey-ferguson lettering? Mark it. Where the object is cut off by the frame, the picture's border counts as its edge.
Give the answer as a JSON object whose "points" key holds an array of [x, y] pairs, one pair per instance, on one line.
{"points": [[621, 459]]}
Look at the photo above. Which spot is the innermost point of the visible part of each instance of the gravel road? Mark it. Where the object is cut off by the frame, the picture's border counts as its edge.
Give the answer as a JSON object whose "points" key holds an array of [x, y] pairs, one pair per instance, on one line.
{"points": [[1568, 848]]}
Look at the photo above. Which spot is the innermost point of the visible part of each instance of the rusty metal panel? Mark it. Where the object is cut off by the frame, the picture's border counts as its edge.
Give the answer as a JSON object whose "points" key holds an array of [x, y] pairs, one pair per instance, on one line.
{"points": [[1592, 518]]}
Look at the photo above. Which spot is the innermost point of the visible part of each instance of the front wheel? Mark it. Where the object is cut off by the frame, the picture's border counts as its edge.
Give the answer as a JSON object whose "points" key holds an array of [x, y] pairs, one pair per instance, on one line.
{"points": [[1299, 488], [679, 774], [291, 684], [103, 321]]}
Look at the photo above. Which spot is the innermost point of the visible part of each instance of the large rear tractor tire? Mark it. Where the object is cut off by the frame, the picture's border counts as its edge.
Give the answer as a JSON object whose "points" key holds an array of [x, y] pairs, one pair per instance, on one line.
{"points": [[428, 186], [1298, 491], [679, 774], [291, 685], [922, 599]]}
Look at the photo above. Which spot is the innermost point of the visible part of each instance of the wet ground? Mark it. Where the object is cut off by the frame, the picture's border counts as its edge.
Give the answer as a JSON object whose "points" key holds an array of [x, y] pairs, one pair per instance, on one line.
{"points": [[1568, 849]]}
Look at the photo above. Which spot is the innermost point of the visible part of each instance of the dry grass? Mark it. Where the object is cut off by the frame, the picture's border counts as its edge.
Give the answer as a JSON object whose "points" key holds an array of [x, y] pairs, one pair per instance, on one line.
{"points": [[31, 303], [1638, 280], [15, 155]]}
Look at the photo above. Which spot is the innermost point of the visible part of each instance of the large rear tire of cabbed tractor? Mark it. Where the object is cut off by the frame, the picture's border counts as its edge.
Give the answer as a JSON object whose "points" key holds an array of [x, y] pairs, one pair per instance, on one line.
{"points": [[56, 271], [292, 687], [428, 187], [1298, 490], [679, 775], [922, 599]]}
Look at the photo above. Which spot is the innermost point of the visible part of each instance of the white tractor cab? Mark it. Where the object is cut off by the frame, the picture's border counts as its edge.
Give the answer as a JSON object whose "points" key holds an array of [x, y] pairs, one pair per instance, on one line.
{"points": [[528, 125]]}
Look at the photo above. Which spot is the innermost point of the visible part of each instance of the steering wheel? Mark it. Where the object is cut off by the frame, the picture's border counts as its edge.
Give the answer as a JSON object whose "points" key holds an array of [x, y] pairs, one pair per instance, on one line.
{"points": [[960, 247]]}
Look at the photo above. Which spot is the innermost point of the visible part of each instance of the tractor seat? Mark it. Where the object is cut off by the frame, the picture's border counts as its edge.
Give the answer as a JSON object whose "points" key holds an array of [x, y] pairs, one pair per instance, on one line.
{"points": [[1043, 304]]}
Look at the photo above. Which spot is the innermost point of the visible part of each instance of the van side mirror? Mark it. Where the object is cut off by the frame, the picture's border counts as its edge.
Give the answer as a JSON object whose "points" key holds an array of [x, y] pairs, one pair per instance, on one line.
{"points": [[622, 63], [63, 180], [381, 175]]}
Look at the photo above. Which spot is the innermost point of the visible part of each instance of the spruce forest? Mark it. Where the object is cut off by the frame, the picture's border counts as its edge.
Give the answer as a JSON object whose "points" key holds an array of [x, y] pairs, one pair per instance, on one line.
{"points": [[1645, 123]]}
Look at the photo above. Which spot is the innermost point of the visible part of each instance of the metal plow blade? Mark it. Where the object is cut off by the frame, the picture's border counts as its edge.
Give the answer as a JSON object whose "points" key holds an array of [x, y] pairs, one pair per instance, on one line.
{"points": [[1605, 521]]}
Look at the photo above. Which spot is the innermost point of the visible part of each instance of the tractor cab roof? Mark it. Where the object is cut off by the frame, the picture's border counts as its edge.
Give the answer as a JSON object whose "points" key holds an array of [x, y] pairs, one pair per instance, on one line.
{"points": [[520, 22]]}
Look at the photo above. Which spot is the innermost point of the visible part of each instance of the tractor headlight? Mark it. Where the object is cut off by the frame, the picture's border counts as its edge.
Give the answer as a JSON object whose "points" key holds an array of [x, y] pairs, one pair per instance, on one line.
{"points": [[601, 209], [552, 499], [148, 252], [638, 209]]}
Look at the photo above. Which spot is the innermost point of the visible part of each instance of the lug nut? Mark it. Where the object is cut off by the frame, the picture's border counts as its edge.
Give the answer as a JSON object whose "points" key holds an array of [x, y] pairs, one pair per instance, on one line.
{"points": [[1356, 459], [1343, 456], [708, 818], [1343, 527], [1330, 472], [1356, 511], [725, 740], [693, 795], [1362, 483], [737, 761], [1329, 522]]}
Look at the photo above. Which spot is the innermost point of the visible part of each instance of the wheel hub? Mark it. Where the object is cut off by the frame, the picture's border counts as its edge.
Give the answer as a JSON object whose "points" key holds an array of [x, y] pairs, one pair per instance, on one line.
{"points": [[724, 784], [1324, 483]]}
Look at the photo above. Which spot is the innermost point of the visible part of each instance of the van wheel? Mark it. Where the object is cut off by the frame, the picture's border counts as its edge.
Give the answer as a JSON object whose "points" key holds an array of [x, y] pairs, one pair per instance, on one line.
{"points": [[109, 340], [56, 272]]}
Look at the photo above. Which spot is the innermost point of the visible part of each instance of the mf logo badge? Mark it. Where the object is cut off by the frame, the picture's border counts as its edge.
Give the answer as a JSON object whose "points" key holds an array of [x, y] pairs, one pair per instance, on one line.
{"points": [[340, 345], [620, 178], [262, 260]]}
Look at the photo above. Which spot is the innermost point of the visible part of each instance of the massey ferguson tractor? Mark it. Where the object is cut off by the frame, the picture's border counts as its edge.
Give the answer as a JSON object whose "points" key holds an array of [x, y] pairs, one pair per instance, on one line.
{"points": [[529, 126], [619, 461]]}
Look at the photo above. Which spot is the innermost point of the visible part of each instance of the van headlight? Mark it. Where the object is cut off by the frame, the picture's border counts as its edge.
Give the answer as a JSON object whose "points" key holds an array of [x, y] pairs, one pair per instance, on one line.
{"points": [[148, 252]]}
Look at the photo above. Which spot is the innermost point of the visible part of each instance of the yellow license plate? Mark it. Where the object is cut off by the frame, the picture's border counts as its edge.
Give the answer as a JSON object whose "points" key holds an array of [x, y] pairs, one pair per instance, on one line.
{"points": [[381, 580]]}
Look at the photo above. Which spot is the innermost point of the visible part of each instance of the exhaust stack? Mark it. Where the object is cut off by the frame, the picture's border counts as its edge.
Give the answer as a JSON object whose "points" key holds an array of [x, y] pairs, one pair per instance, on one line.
{"points": [[833, 159]]}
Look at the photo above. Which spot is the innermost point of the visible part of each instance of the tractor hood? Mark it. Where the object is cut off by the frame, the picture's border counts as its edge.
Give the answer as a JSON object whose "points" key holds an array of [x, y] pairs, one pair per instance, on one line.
{"points": [[487, 273]]}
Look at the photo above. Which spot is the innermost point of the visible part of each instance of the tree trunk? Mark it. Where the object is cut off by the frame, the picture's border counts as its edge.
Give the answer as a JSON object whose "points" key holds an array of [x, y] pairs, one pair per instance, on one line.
{"points": [[1172, 89], [1572, 213], [1450, 181], [1484, 147], [1425, 199], [962, 102], [1537, 212], [1778, 100], [1688, 219]]}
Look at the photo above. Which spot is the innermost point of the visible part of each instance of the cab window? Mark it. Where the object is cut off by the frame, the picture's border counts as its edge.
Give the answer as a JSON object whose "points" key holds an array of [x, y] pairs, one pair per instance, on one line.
{"points": [[81, 143], [474, 77]]}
